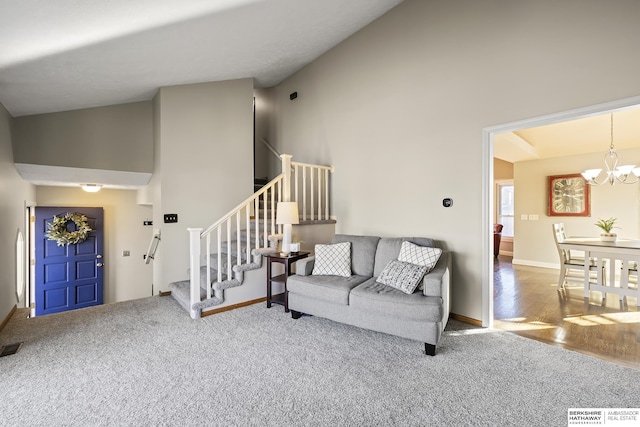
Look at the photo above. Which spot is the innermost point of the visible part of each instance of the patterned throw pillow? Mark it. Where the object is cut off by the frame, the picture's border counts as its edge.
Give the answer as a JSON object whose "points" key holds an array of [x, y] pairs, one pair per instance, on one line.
{"points": [[333, 260], [420, 255], [403, 276]]}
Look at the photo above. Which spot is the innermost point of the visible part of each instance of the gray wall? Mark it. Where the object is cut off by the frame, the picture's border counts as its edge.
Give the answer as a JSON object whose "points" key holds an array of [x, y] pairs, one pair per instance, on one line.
{"points": [[206, 161], [118, 137], [263, 157], [13, 194], [399, 108]]}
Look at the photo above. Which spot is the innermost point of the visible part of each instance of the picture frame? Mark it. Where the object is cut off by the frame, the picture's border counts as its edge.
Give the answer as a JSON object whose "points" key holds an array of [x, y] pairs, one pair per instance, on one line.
{"points": [[569, 195]]}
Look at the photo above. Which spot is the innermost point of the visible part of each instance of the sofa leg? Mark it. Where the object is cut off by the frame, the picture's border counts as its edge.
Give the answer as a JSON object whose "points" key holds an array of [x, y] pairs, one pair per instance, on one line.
{"points": [[295, 314], [430, 349]]}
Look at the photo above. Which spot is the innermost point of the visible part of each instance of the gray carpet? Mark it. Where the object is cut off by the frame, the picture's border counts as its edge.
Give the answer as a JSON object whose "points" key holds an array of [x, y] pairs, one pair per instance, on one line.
{"points": [[146, 362]]}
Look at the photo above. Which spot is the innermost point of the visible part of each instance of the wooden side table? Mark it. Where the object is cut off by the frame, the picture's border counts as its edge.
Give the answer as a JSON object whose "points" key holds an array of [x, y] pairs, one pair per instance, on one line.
{"points": [[287, 261]]}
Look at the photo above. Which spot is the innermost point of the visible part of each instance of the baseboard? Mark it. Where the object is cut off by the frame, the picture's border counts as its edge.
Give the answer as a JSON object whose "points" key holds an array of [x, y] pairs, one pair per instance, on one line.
{"points": [[6, 319], [536, 263], [465, 319], [164, 293], [232, 307]]}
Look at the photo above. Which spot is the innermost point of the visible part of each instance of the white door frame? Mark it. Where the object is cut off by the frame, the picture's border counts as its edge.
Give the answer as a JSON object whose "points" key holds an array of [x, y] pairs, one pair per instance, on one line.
{"points": [[29, 298], [488, 187]]}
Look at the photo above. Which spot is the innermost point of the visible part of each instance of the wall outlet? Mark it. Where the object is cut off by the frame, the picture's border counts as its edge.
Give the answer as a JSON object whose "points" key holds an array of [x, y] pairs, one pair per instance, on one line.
{"points": [[147, 222], [126, 253], [170, 218]]}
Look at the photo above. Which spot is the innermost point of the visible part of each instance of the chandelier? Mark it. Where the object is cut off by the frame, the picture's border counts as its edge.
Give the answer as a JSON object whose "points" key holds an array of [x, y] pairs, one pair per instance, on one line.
{"points": [[625, 174]]}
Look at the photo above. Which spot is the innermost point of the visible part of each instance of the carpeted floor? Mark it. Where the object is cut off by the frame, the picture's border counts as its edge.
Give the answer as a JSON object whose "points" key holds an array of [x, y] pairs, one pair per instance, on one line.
{"points": [[146, 362]]}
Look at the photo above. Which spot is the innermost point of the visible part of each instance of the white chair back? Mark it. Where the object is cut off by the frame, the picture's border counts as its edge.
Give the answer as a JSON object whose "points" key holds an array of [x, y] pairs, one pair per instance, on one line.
{"points": [[559, 237]]}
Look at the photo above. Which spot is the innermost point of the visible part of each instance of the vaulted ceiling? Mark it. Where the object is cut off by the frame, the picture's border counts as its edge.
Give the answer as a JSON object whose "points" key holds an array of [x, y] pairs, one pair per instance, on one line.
{"points": [[60, 55]]}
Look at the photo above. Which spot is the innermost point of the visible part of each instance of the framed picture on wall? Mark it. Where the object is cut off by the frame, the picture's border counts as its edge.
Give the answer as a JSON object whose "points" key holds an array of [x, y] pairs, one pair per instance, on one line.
{"points": [[569, 195]]}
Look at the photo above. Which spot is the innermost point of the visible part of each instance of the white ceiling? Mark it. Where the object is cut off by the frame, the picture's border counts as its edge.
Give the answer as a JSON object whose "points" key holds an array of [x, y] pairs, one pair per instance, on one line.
{"points": [[60, 55], [586, 135]]}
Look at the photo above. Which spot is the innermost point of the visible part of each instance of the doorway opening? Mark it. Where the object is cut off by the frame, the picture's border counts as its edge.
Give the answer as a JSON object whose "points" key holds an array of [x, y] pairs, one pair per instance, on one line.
{"points": [[489, 200]]}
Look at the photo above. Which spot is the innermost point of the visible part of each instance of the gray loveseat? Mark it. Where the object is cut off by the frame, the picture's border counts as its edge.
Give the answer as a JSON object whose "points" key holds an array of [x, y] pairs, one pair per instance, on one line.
{"points": [[361, 301]]}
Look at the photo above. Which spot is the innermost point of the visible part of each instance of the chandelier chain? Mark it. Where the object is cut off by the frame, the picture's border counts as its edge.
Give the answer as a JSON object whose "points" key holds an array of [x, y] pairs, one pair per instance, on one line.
{"points": [[611, 146]]}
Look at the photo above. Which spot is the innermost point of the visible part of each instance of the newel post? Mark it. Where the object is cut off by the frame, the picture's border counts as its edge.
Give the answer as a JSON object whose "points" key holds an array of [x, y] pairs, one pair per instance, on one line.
{"points": [[286, 170], [194, 269]]}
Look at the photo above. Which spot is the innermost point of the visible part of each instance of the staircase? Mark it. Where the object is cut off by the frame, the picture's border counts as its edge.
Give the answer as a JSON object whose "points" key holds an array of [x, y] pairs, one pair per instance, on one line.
{"points": [[222, 254]]}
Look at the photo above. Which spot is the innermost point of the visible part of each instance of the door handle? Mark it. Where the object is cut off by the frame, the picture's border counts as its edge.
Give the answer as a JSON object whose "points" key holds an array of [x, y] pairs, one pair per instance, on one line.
{"points": [[98, 256], [99, 264]]}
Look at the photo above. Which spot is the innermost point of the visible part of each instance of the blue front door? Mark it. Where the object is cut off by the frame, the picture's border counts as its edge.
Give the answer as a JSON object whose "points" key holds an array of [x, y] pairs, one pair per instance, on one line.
{"points": [[68, 276]]}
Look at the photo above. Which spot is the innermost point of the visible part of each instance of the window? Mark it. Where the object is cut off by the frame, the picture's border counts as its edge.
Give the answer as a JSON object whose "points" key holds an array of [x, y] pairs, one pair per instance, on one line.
{"points": [[505, 209]]}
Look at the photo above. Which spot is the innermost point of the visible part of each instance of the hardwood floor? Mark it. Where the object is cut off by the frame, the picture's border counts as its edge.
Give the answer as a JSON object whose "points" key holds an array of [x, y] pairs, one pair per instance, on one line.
{"points": [[528, 303]]}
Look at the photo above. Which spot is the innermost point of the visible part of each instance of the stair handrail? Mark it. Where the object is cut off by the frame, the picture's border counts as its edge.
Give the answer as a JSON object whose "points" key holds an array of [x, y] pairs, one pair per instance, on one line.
{"points": [[280, 189], [242, 204], [270, 147]]}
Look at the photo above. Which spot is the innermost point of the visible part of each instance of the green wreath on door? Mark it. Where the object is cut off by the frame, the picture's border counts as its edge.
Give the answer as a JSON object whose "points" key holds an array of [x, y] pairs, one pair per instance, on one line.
{"points": [[57, 229]]}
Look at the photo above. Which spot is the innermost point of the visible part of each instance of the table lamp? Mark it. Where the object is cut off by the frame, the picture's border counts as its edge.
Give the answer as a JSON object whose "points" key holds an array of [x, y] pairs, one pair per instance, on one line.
{"points": [[287, 214]]}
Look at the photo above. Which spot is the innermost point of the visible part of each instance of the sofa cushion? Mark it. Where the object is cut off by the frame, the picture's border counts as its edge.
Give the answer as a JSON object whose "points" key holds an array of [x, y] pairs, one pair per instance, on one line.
{"points": [[420, 255], [333, 260], [333, 289], [389, 249], [363, 251], [377, 297], [402, 276]]}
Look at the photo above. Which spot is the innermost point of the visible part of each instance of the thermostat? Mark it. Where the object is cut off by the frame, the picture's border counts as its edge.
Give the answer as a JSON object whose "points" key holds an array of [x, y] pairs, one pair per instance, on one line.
{"points": [[447, 202]]}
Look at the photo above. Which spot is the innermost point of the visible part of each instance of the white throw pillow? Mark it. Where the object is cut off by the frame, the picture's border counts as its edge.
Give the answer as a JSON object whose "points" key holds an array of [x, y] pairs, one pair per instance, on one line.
{"points": [[333, 260], [403, 276], [419, 255]]}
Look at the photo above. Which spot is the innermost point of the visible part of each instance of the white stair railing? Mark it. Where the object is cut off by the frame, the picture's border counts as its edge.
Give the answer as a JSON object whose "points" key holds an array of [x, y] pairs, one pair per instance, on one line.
{"points": [[250, 224], [311, 190]]}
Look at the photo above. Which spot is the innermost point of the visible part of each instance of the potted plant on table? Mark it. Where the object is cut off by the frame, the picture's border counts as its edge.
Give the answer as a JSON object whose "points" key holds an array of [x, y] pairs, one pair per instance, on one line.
{"points": [[607, 225]]}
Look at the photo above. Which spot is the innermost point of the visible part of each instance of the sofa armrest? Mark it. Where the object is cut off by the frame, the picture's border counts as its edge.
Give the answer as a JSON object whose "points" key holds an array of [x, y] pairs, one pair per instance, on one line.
{"points": [[304, 266], [435, 281], [438, 284]]}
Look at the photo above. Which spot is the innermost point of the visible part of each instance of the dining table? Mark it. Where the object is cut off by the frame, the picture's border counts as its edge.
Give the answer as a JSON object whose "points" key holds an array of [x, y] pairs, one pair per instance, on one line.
{"points": [[621, 256]]}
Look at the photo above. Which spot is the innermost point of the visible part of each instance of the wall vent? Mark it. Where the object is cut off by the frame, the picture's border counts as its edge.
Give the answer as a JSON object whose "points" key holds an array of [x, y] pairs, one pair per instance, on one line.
{"points": [[10, 349]]}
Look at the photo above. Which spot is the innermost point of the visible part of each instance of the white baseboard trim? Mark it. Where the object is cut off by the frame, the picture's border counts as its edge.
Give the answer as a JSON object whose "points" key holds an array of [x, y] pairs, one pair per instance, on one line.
{"points": [[535, 264]]}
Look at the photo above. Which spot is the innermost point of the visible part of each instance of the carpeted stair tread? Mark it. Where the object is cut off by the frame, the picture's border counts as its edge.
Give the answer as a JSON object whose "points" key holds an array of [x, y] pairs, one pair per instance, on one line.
{"points": [[181, 292]]}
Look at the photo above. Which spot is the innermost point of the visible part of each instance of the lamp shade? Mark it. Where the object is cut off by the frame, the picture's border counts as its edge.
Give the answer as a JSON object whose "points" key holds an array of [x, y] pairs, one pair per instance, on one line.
{"points": [[287, 213]]}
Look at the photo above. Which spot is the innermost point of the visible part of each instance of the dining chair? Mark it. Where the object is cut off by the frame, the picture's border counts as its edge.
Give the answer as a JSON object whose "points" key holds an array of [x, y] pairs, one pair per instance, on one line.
{"points": [[629, 279], [572, 266], [632, 271]]}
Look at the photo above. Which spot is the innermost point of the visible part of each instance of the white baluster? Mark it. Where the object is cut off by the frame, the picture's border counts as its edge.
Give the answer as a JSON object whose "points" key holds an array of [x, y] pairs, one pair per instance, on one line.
{"points": [[326, 194], [229, 249], [194, 267], [219, 254], [319, 193], [248, 237], [238, 238], [208, 258], [304, 192], [311, 196]]}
